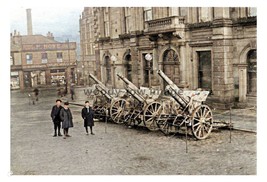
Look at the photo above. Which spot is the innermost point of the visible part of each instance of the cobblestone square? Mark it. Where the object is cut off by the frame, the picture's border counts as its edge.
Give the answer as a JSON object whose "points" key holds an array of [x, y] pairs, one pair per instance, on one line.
{"points": [[119, 151]]}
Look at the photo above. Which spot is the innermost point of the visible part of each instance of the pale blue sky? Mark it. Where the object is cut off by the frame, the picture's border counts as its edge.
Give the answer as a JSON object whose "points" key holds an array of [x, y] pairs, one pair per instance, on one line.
{"points": [[62, 21]]}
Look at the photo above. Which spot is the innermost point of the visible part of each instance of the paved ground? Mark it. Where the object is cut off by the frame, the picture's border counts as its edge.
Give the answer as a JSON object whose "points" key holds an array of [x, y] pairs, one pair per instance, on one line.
{"points": [[119, 151]]}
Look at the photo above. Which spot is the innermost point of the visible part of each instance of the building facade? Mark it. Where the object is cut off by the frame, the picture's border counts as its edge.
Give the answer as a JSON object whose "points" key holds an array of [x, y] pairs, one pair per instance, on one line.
{"points": [[38, 60], [197, 47], [87, 61]]}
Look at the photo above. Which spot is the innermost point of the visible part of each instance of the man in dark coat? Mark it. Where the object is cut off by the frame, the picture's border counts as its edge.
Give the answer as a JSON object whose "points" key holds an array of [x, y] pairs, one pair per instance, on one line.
{"points": [[36, 93], [55, 117], [88, 117], [66, 117], [72, 93]]}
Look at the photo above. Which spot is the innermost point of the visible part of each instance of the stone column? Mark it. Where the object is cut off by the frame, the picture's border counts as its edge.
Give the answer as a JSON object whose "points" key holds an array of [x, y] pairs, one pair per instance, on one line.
{"points": [[48, 77], [135, 63], [155, 77], [183, 66], [67, 77], [223, 82], [242, 74]]}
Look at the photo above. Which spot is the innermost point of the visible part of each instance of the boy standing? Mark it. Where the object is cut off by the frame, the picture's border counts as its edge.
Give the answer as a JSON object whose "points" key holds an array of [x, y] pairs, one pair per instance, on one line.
{"points": [[88, 117], [55, 117], [66, 117]]}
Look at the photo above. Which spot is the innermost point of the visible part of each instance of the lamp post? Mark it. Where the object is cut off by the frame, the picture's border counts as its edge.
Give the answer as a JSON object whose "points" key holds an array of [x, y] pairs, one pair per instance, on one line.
{"points": [[83, 74], [148, 58], [113, 59]]}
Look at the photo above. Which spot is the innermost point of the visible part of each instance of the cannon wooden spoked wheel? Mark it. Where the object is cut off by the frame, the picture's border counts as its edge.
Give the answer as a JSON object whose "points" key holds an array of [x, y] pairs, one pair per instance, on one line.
{"points": [[151, 114], [202, 121], [117, 109]]}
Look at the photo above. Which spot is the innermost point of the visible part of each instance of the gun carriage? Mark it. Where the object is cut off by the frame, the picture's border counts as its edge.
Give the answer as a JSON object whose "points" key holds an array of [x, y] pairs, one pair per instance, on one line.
{"points": [[189, 111], [139, 107], [103, 105]]}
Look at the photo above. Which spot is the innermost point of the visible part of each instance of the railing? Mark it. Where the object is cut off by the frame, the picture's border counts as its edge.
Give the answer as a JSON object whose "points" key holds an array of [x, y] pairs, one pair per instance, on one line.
{"points": [[165, 23], [160, 22]]}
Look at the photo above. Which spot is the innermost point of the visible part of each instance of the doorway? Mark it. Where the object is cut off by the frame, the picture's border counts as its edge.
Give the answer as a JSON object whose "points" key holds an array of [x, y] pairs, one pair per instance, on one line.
{"points": [[204, 70]]}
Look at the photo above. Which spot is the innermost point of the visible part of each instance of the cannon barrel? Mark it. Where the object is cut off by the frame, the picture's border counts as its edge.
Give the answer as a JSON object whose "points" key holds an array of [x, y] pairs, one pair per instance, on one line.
{"points": [[167, 80], [132, 89], [174, 90], [97, 81], [101, 87], [129, 83]]}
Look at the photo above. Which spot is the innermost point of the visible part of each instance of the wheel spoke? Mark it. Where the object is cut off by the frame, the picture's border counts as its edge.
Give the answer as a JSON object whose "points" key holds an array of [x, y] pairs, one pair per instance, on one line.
{"points": [[207, 119], [149, 120], [197, 128], [197, 124], [197, 114], [207, 114], [149, 111], [198, 131], [154, 107], [197, 119]]}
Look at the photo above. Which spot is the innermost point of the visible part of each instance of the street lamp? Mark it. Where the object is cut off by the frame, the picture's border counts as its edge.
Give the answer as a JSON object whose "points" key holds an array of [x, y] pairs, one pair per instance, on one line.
{"points": [[113, 59], [83, 74], [148, 57]]}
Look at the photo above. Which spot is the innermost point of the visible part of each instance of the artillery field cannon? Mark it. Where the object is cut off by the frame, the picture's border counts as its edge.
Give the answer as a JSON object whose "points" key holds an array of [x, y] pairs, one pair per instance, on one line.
{"points": [[179, 109], [139, 109], [103, 105], [191, 112]]}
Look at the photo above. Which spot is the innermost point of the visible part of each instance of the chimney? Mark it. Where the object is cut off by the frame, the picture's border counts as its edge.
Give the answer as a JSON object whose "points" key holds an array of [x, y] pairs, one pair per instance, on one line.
{"points": [[29, 21]]}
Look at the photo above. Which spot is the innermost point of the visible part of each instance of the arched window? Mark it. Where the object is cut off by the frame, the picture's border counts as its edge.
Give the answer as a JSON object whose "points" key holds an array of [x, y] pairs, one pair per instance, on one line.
{"points": [[252, 72], [171, 65], [108, 69], [170, 55], [128, 67]]}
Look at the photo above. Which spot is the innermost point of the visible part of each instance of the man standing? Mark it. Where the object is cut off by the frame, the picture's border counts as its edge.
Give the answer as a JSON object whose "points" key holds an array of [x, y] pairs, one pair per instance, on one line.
{"points": [[66, 118], [36, 93], [72, 93], [88, 117], [55, 117]]}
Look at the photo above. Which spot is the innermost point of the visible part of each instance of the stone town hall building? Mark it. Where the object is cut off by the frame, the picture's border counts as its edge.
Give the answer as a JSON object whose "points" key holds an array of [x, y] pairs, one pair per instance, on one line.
{"points": [[197, 47]]}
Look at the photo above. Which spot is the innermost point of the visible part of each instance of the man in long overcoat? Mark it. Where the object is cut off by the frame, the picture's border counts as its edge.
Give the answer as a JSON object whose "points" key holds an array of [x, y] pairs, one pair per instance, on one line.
{"points": [[55, 117], [88, 117], [66, 117]]}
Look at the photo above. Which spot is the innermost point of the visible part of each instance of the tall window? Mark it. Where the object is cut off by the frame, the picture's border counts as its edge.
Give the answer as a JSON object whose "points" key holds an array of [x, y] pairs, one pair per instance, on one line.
{"points": [[148, 13], [183, 11], [106, 22], [171, 66], [11, 60], [128, 67], [59, 56], [29, 58], [127, 19], [252, 11], [108, 69], [44, 57], [204, 14], [252, 72], [204, 70]]}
